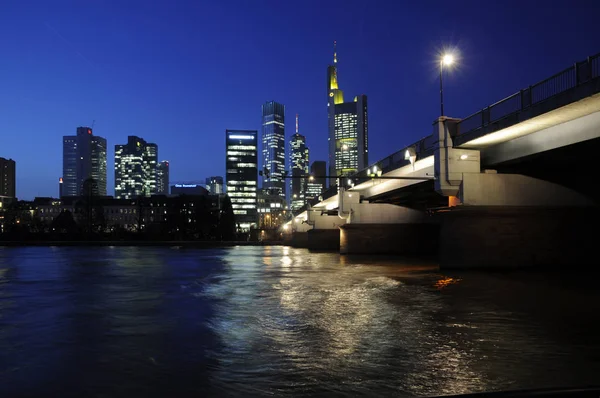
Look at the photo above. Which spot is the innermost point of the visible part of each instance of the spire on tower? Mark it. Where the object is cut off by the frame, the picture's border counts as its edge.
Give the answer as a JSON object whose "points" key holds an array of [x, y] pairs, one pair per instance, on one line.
{"points": [[334, 52], [296, 123]]}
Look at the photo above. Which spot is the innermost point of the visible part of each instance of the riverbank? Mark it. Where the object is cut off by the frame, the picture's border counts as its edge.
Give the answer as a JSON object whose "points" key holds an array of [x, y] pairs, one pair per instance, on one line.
{"points": [[183, 244]]}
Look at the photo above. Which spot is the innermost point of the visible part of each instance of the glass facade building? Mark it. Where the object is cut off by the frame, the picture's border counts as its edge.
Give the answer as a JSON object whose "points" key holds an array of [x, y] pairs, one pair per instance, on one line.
{"points": [[242, 175], [348, 128], [214, 184], [7, 180], [135, 168], [318, 169], [299, 167], [273, 147], [162, 178], [84, 156]]}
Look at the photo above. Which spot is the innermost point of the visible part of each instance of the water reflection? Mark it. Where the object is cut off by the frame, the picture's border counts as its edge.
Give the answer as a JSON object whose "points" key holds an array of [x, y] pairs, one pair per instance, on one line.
{"points": [[278, 321]]}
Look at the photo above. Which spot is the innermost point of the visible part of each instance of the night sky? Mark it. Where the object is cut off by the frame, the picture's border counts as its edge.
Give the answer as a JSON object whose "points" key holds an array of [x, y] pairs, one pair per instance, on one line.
{"points": [[179, 73]]}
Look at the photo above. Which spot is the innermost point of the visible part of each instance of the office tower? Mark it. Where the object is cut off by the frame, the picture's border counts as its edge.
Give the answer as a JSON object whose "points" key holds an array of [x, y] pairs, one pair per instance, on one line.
{"points": [[318, 169], [273, 147], [135, 168], [242, 175], [271, 210], [348, 128], [299, 168], [162, 178], [7, 180], [214, 185], [84, 156], [313, 191]]}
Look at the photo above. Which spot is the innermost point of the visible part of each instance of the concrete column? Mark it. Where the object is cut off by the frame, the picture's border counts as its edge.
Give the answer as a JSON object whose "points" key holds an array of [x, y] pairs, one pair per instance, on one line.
{"points": [[514, 237], [379, 228], [323, 239], [299, 239], [417, 238]]}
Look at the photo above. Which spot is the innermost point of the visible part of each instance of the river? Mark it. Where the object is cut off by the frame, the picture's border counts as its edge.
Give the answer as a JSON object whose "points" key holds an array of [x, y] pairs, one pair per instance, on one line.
{"points": [[277, 321]]}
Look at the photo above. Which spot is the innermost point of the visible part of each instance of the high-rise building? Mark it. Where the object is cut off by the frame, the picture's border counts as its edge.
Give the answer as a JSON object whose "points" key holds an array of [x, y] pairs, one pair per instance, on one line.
{"points": [[318, 169], [162, 178], [214, 185], [7, 180], [84, 156], [271, 210], [242, 175], [273, 147], [313, 191], [348, 128], [299, 167], [135, 168]]}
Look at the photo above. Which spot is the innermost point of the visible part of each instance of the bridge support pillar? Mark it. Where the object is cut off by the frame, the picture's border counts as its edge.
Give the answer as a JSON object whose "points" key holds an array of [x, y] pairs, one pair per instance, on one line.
{"points": [[512, 220], [408, 239], [378, 228], [324, 239], [516, 237], [299, 239]]}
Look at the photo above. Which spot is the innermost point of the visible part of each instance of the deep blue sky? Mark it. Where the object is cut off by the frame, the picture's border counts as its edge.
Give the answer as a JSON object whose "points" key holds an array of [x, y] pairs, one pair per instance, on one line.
{"points": [[179, 73]]}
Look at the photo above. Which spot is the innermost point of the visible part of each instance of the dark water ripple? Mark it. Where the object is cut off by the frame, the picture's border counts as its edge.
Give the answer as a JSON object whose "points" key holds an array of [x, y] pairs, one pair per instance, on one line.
{"points": [[272, 321]]}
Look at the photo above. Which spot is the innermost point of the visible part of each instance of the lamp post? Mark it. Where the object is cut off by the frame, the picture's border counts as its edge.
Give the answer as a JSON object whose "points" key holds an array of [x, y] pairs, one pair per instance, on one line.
{"points": [[447, 59]]}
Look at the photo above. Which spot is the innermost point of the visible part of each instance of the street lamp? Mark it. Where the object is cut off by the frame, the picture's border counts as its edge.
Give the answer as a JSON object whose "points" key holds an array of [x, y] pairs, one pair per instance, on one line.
{"points": [[446, 59]]}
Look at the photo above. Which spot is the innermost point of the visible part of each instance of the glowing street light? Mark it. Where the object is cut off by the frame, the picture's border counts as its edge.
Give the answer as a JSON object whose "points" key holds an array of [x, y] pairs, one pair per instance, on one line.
{"points": [[447, 60]]}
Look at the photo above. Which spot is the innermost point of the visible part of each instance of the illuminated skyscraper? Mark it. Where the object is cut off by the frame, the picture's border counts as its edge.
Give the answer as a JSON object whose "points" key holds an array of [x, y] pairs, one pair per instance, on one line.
{"points": [[318, 169], [214, 184], [162, 178], [84, 156], [7, 181], [135, 168], [273, 147], [242, 175], [299, 166], [348, 128]]}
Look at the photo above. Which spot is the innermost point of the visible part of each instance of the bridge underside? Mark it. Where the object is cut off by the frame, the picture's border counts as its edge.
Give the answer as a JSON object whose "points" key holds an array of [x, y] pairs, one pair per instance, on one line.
{"points": [[420, 196], [574, 166]]}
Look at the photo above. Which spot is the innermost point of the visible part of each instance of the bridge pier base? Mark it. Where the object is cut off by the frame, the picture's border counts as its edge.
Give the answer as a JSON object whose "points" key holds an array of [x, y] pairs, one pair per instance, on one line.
{"points": [[299, 240], [409, 238], [517, 237], [323, 239]]}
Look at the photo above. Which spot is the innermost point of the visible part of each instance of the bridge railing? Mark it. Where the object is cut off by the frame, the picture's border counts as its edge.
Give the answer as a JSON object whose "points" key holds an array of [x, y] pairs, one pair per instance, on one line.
{"points": [[580, 72]]}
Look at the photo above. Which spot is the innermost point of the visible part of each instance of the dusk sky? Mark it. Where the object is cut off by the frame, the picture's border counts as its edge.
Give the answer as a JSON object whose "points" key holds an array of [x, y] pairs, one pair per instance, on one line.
{"points": [[178, 73]]}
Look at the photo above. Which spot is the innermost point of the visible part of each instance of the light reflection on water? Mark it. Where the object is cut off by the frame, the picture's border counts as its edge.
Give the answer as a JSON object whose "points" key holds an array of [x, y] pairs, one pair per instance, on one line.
{"points": [[277, 320]]}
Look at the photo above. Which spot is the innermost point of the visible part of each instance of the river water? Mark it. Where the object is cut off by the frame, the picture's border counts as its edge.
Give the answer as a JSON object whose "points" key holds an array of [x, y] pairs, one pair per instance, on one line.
{"points": [[277, 321]]}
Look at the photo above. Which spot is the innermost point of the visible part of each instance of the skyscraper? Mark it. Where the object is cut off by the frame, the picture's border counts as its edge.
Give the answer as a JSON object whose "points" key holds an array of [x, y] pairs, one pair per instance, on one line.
{"points": [[273, 147], [214, 184], [242, 175], [318, 169], [162, 178], [84, 156], [7, 180], [135, 168], [348, 128], [299, 167]]}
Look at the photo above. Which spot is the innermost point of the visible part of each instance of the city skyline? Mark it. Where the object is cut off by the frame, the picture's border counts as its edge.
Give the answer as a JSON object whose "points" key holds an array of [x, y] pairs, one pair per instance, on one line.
{"points": [[131, 88]]}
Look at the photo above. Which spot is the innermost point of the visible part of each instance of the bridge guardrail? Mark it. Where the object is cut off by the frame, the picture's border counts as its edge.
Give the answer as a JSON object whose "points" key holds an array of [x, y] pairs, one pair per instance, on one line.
{"points": [[580, 72]]}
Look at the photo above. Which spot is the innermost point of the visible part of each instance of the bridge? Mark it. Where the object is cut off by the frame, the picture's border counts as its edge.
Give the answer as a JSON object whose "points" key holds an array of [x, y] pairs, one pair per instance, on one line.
{"points": [[514, 184]]}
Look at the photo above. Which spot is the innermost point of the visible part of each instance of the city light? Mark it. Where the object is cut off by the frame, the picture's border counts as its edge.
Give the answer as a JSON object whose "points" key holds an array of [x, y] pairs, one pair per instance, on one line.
{"points": [[241, 137], [448, 59]]}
